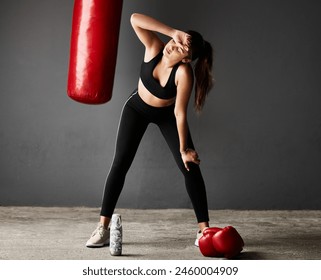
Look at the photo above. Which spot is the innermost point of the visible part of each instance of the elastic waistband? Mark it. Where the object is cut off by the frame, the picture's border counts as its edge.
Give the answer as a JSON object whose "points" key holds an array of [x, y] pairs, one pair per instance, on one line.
{"points": [[137, 97]]}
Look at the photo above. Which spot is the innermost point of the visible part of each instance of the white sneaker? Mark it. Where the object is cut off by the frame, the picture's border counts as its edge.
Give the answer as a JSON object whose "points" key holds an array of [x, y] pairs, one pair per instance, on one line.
{"points": [[99, 238], [198, 236]]}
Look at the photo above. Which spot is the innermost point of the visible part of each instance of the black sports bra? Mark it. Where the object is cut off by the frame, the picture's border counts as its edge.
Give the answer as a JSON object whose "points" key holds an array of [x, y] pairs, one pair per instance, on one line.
{"points": [[152, 85]]}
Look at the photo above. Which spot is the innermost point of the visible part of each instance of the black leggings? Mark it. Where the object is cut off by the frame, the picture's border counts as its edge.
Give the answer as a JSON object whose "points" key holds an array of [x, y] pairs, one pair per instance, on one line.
{"points": [[136, 116]]}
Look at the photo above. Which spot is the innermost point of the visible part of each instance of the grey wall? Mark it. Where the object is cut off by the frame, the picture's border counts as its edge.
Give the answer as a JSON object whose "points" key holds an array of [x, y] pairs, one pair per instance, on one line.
{"points": [[259, 137]]}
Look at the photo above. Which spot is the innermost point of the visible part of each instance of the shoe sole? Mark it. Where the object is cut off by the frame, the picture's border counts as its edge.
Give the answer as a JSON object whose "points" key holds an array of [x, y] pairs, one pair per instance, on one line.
{"points": [[97, 245]]}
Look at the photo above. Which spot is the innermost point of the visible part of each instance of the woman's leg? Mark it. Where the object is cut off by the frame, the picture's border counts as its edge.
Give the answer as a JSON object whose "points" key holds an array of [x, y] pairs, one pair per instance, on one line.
{"points": [[131, 129], [193, 179]]}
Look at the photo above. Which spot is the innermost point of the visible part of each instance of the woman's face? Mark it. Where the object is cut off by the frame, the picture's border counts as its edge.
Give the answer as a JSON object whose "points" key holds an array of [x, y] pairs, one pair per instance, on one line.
{"points": [[175, 52]]}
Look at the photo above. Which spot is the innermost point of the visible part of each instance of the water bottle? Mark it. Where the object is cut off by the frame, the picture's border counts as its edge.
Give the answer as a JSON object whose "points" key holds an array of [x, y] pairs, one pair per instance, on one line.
{"points": [[116, 235]]}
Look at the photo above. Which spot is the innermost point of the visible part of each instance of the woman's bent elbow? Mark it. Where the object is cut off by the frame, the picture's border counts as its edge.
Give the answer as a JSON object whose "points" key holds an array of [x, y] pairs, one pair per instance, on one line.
{"points": [[179, 114], [132, 18]]}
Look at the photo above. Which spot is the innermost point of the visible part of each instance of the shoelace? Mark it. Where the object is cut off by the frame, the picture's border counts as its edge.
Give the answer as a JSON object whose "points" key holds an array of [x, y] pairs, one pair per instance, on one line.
{"points": [[99, 230]]}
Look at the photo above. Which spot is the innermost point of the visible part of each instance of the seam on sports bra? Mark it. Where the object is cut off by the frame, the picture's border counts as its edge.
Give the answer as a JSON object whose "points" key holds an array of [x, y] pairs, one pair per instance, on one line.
{"points": [[146, 62], [170, 77]]}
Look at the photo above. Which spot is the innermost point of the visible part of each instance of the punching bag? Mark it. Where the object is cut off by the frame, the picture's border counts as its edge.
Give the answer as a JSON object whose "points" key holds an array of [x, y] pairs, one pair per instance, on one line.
{"points": [[93, 50]]}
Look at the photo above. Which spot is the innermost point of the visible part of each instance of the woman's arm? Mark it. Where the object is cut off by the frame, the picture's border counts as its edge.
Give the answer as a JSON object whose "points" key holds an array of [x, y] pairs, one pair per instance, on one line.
{"points": [[146, 26], [184, 77]]}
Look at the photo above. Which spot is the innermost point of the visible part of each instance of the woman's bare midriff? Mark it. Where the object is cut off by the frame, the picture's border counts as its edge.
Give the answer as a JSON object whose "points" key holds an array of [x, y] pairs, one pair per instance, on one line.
{"points": [[152, 100]]}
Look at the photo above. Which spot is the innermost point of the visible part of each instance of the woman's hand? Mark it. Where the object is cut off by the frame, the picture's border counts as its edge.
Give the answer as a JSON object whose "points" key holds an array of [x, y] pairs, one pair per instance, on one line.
{"points": [[182, 39], [190, 156]]}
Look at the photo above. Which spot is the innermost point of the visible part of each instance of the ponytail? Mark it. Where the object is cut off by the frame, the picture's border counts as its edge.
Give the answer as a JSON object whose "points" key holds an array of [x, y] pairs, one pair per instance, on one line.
{"points": [[203, 52]]}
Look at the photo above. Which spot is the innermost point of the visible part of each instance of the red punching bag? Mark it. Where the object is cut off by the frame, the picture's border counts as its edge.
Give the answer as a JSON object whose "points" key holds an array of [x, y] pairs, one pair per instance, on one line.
{"points": [[93, 50]]}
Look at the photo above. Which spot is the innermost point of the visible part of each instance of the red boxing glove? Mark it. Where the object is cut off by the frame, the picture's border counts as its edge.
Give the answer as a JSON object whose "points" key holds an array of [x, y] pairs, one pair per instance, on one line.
{"points": [[206, 243], [228, 242]]}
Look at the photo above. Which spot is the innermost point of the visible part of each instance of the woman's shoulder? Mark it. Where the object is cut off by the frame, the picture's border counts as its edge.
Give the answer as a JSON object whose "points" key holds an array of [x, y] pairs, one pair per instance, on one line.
{"points": [[184, 70], [184, 75]]}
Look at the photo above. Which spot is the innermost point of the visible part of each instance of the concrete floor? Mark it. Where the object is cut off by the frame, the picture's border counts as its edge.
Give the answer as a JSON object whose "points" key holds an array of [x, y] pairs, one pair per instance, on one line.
{"points": [[60, 234]]}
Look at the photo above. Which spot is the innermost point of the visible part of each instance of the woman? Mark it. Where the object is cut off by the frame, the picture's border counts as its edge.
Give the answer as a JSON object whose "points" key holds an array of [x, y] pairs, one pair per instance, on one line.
{"points": [[164, 88]]}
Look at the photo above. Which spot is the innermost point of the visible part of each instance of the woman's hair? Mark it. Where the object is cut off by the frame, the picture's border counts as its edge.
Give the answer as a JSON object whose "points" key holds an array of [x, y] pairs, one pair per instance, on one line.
{"points": [[203, 52]]}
